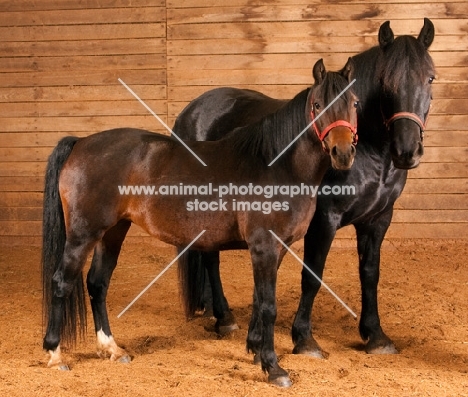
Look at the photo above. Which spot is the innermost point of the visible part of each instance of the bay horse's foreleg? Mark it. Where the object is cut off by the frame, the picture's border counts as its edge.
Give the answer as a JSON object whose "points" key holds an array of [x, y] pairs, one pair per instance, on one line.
{"points": [[103, 264], [254, 335], [266, 255], [63, 285], [225, 320], [317, 243], [370, 236]]}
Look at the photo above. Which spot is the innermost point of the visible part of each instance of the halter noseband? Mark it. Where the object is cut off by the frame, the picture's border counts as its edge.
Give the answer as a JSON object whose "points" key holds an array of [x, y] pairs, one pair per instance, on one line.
{"points": [[340, 123], [409, 116]]}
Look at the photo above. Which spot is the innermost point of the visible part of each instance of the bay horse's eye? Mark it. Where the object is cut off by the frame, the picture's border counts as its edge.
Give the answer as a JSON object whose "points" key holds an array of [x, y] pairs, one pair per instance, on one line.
{"points": [[431, 79], [317, 106], [356, 104]]}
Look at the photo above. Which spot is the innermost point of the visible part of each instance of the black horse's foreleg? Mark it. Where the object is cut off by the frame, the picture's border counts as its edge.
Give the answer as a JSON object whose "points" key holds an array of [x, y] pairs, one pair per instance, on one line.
{"points": [[370, 236], [317, 243], [103, 264], [225, 321]]}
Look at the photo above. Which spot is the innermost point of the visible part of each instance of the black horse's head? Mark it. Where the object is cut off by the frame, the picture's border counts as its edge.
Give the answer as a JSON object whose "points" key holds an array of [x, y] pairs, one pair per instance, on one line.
{"points": [[406, 72], [337, 126]]}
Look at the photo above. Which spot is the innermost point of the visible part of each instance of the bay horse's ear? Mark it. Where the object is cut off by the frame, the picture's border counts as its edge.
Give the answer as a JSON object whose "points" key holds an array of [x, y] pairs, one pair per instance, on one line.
{"points": [[386, 36], [426, 36], [348, 71], [319, 72]]}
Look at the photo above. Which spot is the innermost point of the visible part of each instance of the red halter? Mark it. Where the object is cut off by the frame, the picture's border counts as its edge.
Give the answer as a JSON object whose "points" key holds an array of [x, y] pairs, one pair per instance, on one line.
{"points": [[340, 123]]}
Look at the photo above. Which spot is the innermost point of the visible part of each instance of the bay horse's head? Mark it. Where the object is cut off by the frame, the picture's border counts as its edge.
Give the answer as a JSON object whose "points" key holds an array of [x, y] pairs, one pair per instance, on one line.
{"points": [[336, 127], [406, 72]]}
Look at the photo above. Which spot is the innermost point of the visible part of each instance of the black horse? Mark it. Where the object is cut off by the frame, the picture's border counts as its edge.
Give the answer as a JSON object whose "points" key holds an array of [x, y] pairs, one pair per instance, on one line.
{"points": [[88, 205], [393, 83]]}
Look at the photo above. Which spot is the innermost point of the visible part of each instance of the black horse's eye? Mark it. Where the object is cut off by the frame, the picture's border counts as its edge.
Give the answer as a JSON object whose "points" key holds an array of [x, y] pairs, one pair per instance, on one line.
{"points": [[431, 79], [317, 106]]}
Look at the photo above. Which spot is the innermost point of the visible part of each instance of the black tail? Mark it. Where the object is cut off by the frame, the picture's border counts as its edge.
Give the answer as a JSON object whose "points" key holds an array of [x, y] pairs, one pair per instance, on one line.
{"points": [[53, 244], [191, 281]]}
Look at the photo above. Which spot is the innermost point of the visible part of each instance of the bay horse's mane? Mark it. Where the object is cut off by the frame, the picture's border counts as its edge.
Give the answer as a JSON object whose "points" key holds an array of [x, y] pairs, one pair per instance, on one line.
{"points": [[265, 139], [404, 54]]}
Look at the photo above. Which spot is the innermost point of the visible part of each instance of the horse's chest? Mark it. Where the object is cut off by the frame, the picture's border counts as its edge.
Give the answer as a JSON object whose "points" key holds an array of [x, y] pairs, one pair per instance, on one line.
{"points": [[381, 193]]}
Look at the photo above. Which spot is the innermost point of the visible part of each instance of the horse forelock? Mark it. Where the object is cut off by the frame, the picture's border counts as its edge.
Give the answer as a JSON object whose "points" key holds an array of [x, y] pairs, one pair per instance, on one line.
{"points": [[405, 57], [327, 91]]}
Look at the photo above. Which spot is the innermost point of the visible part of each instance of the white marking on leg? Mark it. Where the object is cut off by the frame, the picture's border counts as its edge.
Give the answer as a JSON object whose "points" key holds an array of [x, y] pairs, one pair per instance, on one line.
{"points": [[108, 348], [55, 360]]}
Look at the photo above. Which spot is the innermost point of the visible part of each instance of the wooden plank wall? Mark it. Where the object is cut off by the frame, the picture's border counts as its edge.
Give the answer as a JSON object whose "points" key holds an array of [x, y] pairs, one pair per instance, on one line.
{"points": [[59, 67], [60, 61], [271, 47]]}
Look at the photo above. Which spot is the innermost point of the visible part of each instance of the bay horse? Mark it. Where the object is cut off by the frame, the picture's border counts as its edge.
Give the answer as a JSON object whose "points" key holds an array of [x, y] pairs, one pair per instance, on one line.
{"points": [[393, 83], [85, 209]]}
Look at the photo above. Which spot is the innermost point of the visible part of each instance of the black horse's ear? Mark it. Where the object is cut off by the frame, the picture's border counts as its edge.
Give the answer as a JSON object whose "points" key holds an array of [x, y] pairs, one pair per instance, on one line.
{"points": [[319, 72], [386, 36], [348, 71], [426, 36]]}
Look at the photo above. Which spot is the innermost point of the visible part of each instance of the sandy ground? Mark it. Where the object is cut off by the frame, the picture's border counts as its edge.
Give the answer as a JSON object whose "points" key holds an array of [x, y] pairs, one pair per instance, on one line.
{"points": [[423, 306]]}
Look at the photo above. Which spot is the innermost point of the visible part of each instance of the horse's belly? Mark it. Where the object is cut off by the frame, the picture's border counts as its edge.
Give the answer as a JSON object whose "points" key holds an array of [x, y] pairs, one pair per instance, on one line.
{"points": [[178, 221]]}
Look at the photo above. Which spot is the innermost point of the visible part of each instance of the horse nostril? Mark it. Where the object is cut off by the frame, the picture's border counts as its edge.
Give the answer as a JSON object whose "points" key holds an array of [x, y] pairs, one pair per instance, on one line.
{"points": [[353, 150], [420, 149], [334, 151]]}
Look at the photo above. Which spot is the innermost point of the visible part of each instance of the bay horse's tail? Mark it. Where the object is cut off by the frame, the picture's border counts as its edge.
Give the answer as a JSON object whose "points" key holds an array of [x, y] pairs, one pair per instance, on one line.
{"points": [[191, 281], [53, 244]]}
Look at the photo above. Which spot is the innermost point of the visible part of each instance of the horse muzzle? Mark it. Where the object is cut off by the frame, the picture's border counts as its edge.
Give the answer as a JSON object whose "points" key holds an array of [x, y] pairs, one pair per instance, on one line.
{"points": [[341, 146]]}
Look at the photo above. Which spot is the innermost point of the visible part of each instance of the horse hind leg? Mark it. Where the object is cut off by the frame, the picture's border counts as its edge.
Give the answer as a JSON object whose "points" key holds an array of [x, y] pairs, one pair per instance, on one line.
{"points": [[103, 264], [66, 309], [225, 320]]}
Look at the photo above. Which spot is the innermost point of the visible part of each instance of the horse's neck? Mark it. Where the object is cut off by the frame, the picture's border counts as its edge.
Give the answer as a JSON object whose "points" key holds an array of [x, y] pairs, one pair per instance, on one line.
{"points": [[308, 159], [269, 136], [371, 128]]}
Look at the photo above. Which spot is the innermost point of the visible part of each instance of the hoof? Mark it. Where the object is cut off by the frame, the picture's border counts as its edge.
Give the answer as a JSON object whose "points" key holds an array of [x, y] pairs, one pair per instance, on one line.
{"points": [[386, 349], [124, 359], [226, 329], [280, 381], [226, 324], [60, 367], [380, 344], [320, 354], [311, 349], [257, 360]]}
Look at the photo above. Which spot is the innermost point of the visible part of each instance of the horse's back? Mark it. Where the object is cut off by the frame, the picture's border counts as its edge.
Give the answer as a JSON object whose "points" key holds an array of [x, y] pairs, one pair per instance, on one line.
{"points": [[101, 162], [119, 146], [221, 110]]}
